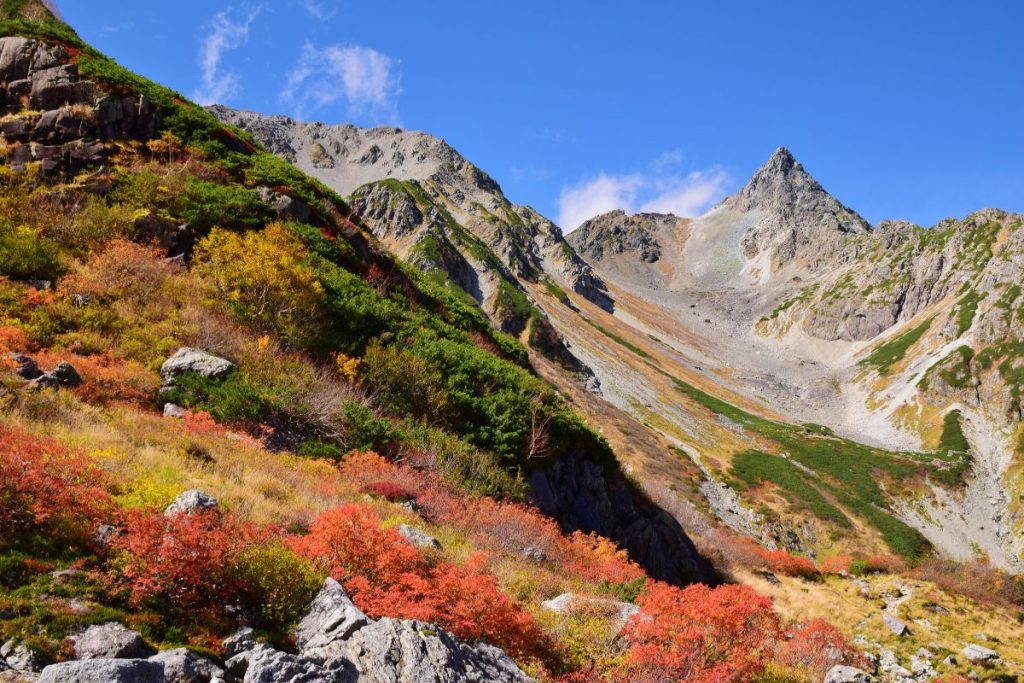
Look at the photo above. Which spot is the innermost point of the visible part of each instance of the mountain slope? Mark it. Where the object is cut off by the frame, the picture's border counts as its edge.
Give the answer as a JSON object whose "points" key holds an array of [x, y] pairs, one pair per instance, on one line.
{"points": [[784, 296], [354, 161]]}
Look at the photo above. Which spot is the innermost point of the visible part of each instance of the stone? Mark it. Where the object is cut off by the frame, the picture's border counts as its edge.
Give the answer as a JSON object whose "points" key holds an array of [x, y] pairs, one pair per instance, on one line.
{"points": [[181, 665], [847, 674], [240, 641], [190, 502], [173, 410], [104, 671], [622, 611], [979, 654], [895, 624], [267, 665], [105, 534], [111, 641], [197, 361], [27, 367], [16, 55], [534, 554], [19, 657], [66, 375], [392, 650], [418, 538], [332, 617]]}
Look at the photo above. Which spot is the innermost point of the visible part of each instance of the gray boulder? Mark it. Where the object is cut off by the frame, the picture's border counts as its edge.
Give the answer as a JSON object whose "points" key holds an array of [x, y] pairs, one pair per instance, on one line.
{"points": [[332, 617], [111, 641], [240, 641], [19, 657], [16, 58], [175, 411], [181, 665], [978, 654], [895, 624], [191, 502], [267, 665], [393, 651], [104, 671], [418, 538], [64, 376], [847, 674], [194, 360]]}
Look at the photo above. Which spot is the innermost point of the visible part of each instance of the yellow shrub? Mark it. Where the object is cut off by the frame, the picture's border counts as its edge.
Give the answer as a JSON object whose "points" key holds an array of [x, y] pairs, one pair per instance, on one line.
{"points": [[279, 580]]}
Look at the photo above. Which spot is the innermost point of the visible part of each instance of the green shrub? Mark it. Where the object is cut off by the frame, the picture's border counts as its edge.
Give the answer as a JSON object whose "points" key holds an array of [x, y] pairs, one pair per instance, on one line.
{"points": [[24, 253], [279, 581], [207, 205], [228, 400]]}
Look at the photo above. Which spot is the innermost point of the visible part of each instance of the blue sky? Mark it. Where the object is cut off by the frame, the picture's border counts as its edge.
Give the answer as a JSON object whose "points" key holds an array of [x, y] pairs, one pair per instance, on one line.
{"points": [[901, 109]]}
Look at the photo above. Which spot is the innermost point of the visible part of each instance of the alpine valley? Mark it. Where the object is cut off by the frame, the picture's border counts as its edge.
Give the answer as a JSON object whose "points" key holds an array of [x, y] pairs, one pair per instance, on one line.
{"points": [[289, 401]]}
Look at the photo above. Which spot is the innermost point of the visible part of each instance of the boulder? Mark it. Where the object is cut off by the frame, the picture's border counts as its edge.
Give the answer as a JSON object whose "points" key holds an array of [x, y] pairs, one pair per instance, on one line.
{"points": [[895, 624], [197, 361], [392, 650], [240, 641], [847, 674], [267, 665], [191, 502], [111, 641], [175, 411], [27, 367], [418, 538], [181, 665], [19, 657], [978, 654], [332, 617], [534, 554], [16, 55], [64, 376], [104, 671]]}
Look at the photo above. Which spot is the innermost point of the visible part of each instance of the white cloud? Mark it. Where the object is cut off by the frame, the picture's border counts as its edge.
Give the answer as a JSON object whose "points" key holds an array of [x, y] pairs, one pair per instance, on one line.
{"points": [[321, 10], [661, 189], [366, 81], [226, 33]]}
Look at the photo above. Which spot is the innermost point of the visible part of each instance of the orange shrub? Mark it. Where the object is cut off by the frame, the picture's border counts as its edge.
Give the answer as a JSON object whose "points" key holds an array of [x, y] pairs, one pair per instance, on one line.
{"points": [[817, 646], [387, 576], [46, 487], [185, 559], [105, 378], [700, 634]]}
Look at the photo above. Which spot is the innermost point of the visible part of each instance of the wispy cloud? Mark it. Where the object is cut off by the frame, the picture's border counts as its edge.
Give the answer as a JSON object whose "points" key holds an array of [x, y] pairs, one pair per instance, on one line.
{"points": [[366, 81], [228, 30], [663, 188], [321, 10]]}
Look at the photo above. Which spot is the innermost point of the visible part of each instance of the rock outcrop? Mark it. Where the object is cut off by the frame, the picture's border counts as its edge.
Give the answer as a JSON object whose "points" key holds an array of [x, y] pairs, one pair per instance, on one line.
{"points": [[197, 361], [111, 641]]}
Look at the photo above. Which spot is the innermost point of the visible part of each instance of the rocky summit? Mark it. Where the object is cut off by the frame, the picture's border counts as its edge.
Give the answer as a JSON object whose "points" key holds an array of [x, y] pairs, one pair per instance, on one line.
{"points": [[299, 402]]}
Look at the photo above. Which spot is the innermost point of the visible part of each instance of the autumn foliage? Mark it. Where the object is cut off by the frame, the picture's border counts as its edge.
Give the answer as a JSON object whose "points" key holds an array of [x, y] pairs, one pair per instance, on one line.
{"points": [[46, 487], [387, 576], [698, 633], [815, 647]]}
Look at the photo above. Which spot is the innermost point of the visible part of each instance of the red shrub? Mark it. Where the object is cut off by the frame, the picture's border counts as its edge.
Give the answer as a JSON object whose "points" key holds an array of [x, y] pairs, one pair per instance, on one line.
{"points": [[44, 486], [836, 564], [816, 647], [387, 576], [389, 490], [185, 559], [884, 564], [782, 562], [700, 634]]}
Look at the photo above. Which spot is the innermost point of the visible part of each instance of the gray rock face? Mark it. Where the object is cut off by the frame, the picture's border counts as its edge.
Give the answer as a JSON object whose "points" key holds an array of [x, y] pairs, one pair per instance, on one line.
{"points": [[197, 361], [332, 617], [111, 641], [104, 671], [575, 492], [616, 233], [190, 502], [847, 674], [394, 651], [895, 624], [978, 654], [240, 641], [181, 665], [796, 217], [418, 538], [267, 665]]}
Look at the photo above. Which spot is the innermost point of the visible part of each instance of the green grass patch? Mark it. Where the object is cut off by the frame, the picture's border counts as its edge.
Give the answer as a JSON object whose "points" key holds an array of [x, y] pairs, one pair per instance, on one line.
{"points": [[617, 339], [892, 352], [966, 308], [755, 467]]}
